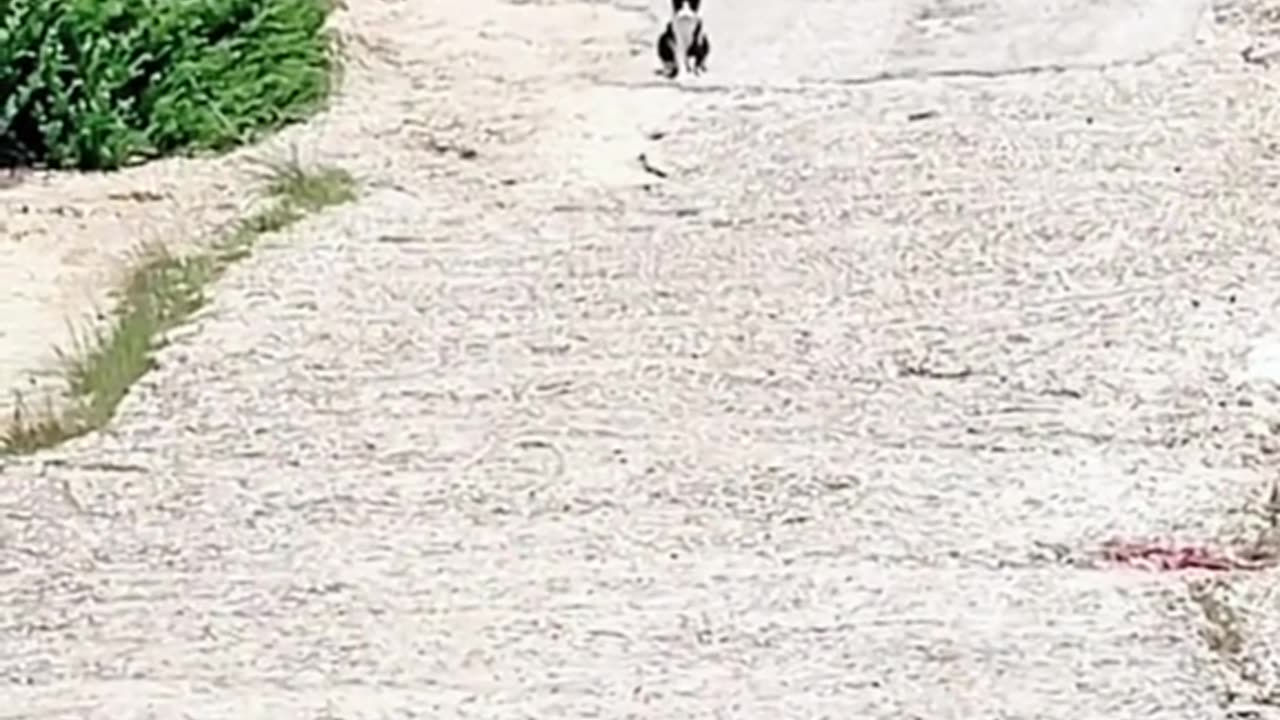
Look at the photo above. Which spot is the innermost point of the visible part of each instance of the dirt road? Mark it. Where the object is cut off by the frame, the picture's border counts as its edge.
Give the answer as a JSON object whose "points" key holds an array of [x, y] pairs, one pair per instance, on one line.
{"points": [[822, 419]]}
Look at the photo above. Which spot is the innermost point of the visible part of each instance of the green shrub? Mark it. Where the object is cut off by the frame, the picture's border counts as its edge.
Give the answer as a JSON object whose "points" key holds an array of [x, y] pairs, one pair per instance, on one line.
{"points": [[93, 84]]}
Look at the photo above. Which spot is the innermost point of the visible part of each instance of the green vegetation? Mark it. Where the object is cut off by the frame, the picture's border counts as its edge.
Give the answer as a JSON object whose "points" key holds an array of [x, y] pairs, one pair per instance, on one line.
{"points": [[95, 84], [163, 291]]}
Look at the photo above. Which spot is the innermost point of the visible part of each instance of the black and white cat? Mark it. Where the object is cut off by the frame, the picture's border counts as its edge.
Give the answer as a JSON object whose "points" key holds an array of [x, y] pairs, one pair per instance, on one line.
{"points": [[684, 44]]}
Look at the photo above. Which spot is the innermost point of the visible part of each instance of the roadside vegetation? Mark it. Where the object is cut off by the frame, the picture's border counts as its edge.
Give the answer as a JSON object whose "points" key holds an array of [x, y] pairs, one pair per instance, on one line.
{"points": [[161, 292], [97, 84], [101, 84]]}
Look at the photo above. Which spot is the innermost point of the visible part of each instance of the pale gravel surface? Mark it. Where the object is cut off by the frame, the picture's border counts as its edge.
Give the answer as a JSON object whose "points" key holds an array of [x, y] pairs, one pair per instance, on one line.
{"points": [[539, 435]]}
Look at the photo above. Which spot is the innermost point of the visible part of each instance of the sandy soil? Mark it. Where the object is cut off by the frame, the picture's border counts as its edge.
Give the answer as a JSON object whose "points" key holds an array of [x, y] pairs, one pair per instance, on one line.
{"points": [[824, 422]]}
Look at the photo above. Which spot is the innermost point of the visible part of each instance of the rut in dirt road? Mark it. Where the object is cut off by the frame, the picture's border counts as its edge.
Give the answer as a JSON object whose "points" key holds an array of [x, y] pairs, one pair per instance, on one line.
{"points": [[822, 424]]}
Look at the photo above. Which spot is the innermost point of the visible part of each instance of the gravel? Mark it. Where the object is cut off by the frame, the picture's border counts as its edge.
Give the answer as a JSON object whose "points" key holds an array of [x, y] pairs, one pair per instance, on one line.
{"points": [[818, 426]]}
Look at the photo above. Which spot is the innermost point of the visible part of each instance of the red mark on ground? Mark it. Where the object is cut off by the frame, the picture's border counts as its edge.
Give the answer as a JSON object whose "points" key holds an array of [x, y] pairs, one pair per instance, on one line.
{"points": [[1170, 557]]}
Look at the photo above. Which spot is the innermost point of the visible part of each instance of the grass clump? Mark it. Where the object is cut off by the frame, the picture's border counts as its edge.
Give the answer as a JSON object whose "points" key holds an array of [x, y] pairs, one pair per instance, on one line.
{"points": [[162, 292], [95, 84]]}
